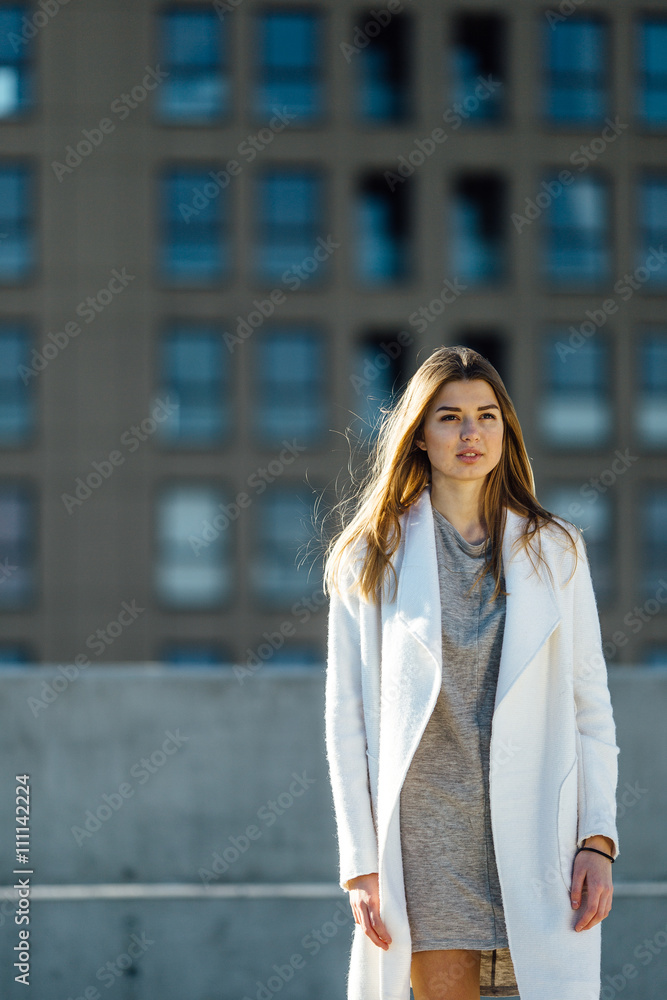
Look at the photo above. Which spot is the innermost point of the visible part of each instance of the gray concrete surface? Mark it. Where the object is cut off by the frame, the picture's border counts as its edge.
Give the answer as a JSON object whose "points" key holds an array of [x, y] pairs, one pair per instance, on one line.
{"points": [[153, 776]]}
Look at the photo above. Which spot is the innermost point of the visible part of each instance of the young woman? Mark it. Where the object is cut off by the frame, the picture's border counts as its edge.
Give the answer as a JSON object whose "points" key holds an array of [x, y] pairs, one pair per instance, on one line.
{"points": [[469, 729]]}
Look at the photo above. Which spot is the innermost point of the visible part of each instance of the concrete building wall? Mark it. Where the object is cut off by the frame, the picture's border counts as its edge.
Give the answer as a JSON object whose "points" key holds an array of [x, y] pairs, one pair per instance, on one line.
{"points": [[161, 782]]}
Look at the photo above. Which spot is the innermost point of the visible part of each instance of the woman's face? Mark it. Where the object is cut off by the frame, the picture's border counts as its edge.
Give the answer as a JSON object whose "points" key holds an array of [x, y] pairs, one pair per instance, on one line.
{"points": [[464, 416]]}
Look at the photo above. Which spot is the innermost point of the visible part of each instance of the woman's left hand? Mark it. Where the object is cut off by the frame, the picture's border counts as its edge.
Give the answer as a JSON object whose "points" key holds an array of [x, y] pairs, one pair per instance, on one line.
{"points": [[596, 872]]}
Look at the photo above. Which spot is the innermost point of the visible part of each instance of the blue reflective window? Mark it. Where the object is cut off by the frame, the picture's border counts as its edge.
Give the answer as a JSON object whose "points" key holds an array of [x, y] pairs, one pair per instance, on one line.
{"points": [[296, 655], [652, 521], [284, 568], [16, 83], [651, 405], [383, 68], [576, 70], [477, 69], [593, 516], [575, 403], [17, 406], [290, 397], [15, 654], [195, 376], [478, 231], [576, 248], [193, 54], [290, 220], [193, 569], [378, 375], [383, 227], [17, 546], [290, 57], [652, 64], [194, 247], [17, 241], [195, 654], [652, 229]]}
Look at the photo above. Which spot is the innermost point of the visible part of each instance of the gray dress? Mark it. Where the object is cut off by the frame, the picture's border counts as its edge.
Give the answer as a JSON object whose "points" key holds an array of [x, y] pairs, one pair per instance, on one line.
{"points": [[451, 880]]}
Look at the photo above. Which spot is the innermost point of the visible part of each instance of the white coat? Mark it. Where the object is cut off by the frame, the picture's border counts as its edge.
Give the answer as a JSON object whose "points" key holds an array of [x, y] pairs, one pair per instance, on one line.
{"points": [[553, 752]]}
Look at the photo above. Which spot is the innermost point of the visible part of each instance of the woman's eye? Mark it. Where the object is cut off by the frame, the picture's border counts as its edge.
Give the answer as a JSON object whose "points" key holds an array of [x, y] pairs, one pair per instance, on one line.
{"points": [[453, 415]]}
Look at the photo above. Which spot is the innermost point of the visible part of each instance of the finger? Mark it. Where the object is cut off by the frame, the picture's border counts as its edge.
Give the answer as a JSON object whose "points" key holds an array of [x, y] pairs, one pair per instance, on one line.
{"points": [[591, 915], [577, 885], [370, 932], [379, 926]]}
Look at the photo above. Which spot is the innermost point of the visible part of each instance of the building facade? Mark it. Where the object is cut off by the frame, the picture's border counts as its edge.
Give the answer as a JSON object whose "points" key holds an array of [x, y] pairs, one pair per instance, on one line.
{"points": [[229, 231]]}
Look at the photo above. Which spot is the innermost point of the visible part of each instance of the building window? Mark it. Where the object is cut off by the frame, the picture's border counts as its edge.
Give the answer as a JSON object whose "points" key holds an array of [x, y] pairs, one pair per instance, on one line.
{"points": [[655, 654], [576, 86], [593, 516], [479, 250], [290, 60], [195, 376], [576, 232], [477, 70], [15, 654], [651, 408], [191, 48], [16, 84], [575, 403], [490, 343], [377, 377], [17, 416], [17, 547], [284, 569], [193, 565], [17, 245], [290, 221], [653, 229], [653, 526], [652, 64], [294, 654], [383, 231], [194, 246], [290, 392], [195, 654], [383, 70]]}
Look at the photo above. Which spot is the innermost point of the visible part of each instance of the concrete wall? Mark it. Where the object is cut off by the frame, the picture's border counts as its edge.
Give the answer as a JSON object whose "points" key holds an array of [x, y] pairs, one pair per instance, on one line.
{"points": [[147, 775]]}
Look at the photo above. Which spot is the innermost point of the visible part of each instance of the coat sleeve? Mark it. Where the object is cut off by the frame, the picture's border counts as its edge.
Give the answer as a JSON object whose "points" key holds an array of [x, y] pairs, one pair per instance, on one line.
{"points": [[346, 738], [594, 716]]}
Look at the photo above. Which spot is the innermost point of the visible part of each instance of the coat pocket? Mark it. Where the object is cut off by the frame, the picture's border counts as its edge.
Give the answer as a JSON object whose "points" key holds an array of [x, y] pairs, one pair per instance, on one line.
{"points": [[567, 824]]}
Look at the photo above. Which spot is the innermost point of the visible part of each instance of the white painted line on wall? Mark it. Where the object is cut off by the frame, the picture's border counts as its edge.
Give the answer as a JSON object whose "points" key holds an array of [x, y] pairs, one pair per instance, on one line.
{"points": [[239, 890]]}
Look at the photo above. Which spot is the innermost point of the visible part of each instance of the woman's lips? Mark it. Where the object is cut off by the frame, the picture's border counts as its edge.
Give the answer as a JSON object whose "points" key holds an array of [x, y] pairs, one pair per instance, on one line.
{"points": [[470, 459]]}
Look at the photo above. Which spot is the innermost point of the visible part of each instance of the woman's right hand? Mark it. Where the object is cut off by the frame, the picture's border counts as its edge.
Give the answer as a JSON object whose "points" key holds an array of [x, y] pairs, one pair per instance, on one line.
{"points": [[364, 894]]}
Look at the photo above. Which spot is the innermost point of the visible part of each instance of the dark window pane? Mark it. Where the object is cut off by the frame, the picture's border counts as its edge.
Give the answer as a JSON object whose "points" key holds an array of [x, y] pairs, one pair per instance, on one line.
{"points": [[478, 229], [383, 70], [477, 68], [383, 250]]}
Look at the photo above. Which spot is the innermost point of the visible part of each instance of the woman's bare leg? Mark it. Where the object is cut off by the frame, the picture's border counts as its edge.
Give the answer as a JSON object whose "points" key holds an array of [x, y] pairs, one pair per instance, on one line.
{"points": [[446, 974]]}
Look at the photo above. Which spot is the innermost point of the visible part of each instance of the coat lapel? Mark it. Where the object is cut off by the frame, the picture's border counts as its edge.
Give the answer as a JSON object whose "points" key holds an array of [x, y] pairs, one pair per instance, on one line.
{"points": [[532, 611]]}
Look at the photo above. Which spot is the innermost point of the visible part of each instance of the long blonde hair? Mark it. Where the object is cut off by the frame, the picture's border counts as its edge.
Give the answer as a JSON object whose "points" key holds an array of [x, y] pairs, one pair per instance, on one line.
{"points": [[400, 470]]}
